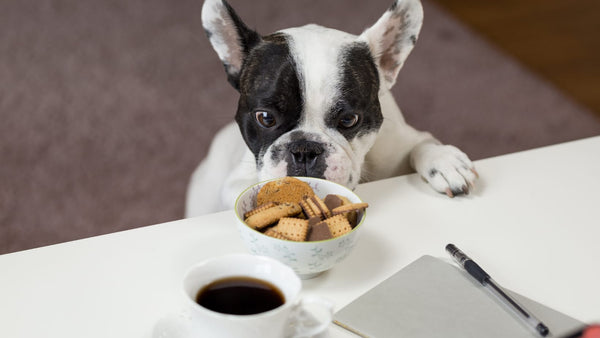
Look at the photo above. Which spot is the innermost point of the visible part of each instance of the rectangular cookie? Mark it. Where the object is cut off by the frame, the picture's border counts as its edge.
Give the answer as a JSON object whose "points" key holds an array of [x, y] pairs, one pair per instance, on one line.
{"points": [[295, 229], [273, 214]]}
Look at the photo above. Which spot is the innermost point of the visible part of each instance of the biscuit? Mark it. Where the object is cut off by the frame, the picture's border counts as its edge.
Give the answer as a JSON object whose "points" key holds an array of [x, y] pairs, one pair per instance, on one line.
{"points": [[275, 234], [321, 206], [293, 228], [349, 207], [308, 210], [315, 207], [338, 225], [259, 208], [284, 190], [313, 220], [288, 209], [319, 232], [272, 215], [333, 201], [344, 199], [352, 215]]}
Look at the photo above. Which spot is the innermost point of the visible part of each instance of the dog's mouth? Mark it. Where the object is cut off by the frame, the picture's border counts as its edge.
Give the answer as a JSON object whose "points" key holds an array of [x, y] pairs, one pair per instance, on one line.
{"points": [[308, 157]]}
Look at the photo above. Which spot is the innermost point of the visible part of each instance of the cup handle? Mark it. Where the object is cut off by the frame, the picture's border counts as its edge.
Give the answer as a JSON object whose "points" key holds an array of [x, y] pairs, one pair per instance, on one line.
{"points": [[312, 316]]}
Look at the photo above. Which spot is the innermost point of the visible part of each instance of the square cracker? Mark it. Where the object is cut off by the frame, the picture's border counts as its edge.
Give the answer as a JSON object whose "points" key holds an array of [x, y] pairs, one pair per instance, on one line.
{"points": [[295, 229], [338, 225]]}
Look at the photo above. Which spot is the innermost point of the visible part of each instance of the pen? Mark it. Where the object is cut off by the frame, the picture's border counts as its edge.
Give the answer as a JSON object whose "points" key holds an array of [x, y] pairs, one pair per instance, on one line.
{"points": [[482, 277]]}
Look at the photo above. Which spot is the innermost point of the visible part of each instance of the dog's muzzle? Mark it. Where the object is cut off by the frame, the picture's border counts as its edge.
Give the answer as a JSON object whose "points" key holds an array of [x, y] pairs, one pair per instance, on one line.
{"points": [[306, 158]]}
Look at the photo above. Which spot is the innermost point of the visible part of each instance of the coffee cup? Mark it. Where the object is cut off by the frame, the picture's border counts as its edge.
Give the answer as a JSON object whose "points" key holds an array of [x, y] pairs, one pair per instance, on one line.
{"points": [[242, 295]]}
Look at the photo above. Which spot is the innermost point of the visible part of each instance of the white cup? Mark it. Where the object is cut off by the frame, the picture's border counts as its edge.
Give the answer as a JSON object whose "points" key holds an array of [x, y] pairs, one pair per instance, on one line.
{"points": [[297, 317]]}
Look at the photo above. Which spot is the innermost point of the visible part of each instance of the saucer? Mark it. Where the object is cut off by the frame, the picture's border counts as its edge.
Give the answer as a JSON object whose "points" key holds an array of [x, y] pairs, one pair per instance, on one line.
{"points": [[179, 325]]}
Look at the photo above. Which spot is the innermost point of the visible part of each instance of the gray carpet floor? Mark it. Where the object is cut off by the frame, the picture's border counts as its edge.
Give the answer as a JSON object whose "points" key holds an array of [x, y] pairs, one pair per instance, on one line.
{"points": [[107, 106]]}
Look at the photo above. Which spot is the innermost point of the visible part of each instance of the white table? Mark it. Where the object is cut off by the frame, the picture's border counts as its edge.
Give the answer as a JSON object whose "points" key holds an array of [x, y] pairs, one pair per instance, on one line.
{"points": [[533, 223]]}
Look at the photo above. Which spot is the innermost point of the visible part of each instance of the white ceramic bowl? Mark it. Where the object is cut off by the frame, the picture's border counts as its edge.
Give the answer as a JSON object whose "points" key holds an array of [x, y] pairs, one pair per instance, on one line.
{"points": [[307, 259]]}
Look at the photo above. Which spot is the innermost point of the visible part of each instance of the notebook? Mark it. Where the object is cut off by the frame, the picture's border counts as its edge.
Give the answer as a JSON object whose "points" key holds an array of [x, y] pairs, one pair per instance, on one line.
{"points": [[431, 298]]}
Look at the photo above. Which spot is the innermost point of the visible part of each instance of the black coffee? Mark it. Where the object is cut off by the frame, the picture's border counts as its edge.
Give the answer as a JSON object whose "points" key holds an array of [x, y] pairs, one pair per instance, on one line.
{"points": [[240, 296]]}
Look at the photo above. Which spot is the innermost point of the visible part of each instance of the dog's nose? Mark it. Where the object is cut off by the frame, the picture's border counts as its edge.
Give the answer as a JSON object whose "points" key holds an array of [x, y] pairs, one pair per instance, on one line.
{"points": [[305, 152], [305, 156]]}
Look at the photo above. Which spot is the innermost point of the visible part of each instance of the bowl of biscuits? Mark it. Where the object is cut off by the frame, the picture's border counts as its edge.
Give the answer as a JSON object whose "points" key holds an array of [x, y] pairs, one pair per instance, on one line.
{"points": [[308, 223]]}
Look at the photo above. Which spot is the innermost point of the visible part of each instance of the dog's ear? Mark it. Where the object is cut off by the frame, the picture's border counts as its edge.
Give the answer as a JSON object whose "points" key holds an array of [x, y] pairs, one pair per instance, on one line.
{"points": [[393, 36], [229, 36]]}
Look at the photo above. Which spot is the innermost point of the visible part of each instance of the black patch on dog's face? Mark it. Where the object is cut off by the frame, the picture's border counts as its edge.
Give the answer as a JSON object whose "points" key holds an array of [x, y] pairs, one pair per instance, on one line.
{"points": [[268, 83], [358, 94]]}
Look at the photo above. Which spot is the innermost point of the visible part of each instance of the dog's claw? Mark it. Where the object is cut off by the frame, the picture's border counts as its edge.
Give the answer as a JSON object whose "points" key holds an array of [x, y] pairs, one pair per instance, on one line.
{"points": [[464, 190]]}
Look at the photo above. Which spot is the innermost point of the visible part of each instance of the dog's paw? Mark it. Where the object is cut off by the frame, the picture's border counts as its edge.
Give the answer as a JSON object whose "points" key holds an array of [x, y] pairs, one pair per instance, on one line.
{"points": [[447, 169]]}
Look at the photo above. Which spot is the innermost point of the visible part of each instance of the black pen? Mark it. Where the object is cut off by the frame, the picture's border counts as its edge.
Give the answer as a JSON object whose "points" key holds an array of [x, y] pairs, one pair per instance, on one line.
{"points": [[482, 277]]}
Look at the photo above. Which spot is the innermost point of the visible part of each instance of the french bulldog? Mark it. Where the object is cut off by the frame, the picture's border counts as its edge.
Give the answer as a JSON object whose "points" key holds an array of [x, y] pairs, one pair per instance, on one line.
{"points": [[316, 101]]}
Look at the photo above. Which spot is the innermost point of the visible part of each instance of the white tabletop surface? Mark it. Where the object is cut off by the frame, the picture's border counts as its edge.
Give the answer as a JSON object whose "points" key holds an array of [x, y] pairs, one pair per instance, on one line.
{"points": [[533, 223]]}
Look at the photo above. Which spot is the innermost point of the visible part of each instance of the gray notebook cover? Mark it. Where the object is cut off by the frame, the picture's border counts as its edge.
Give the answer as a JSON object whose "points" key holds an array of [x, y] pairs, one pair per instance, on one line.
{"points": [[431, 298]]}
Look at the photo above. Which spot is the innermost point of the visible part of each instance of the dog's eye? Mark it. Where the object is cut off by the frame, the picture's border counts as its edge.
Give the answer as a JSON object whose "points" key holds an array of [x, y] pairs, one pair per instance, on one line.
{"points": [[348, 121], [265, 119]]}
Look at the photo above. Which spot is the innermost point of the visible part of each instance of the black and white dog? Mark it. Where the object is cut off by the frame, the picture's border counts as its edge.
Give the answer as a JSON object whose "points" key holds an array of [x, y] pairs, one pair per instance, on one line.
{"points": [[316, 102]]}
